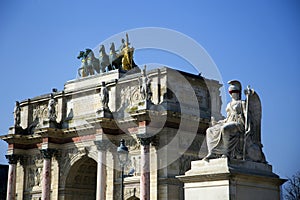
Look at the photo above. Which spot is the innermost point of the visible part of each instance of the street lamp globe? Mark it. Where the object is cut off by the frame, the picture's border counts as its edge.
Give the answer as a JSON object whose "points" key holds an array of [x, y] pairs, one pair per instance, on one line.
{"points": [[122, 153]]}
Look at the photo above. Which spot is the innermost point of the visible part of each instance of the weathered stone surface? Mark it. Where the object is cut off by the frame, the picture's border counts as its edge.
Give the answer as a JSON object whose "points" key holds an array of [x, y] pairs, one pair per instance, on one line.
{"points": [[170, 115]]}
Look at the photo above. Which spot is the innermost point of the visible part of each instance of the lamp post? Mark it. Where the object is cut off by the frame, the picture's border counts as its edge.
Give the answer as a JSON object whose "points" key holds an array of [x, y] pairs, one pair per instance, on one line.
{"points": [[123, 157]]}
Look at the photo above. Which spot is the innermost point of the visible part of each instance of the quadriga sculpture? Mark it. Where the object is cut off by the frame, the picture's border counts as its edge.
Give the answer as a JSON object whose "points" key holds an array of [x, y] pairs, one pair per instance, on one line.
{"points": [[238, 136]]}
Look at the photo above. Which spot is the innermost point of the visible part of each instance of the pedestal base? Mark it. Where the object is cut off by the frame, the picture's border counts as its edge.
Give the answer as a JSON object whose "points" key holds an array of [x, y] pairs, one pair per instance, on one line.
{"points": [[104, 113], [231, 180]]}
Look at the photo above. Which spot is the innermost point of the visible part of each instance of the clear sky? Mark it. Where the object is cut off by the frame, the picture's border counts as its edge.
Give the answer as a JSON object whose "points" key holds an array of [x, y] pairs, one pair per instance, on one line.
{"points": [[257, 42]]}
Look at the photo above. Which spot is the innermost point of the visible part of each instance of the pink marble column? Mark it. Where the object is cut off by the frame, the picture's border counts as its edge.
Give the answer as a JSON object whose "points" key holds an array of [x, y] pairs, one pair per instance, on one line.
{"points": [[101, 170], [46, 174], [145, 169], [11, 182]]}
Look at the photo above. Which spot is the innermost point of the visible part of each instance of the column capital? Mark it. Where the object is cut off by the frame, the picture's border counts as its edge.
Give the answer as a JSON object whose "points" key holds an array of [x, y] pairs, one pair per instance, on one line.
{"points": [[48, 153], [144, 139], [102, 145], [13, 158]]}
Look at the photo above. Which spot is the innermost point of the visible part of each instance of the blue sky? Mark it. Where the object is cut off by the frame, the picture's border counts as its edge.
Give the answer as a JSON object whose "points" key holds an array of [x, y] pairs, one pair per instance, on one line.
{"points": [[254, 41]]}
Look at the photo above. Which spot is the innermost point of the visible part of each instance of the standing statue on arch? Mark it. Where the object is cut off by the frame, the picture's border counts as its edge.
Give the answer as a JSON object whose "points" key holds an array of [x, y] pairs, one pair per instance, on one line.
{"points": [[144, 85], [238, 136]]}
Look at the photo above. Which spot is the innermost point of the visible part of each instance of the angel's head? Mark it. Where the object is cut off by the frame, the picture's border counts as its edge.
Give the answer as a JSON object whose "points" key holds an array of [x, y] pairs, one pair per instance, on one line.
{"points": [[235, 89]]}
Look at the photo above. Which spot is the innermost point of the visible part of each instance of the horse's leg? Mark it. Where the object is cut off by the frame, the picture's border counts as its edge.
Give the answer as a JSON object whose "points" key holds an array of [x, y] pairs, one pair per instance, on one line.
{"points": [[97, 68], [101, 68], [90, 68]]}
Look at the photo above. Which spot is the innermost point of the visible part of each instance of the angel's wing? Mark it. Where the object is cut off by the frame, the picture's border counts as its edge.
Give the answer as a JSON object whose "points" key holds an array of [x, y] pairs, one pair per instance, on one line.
{"points": [[254, 114]]}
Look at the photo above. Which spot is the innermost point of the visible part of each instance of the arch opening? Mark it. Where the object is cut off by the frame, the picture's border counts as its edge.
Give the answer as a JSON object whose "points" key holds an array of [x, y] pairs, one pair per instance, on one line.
{"points": [[81, 181]]}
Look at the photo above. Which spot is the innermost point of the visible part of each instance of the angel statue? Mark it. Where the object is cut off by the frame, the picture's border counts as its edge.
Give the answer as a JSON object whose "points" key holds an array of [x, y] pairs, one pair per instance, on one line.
{"points": [[238, 136]]}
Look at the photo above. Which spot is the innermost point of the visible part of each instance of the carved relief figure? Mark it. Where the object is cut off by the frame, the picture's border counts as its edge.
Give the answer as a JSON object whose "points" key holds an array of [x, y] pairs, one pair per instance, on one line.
{"points": [[31, 177], [37, 177], [17, 114], [238, 135]]}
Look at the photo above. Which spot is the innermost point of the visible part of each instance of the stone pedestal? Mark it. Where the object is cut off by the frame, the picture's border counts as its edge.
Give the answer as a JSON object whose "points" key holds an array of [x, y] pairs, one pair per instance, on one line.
{"points": [[231, 180], [104, 113]]}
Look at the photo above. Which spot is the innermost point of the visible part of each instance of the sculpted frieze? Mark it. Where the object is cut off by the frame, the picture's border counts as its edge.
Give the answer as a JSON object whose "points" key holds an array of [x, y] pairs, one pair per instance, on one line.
{"points": [[34, 166]]}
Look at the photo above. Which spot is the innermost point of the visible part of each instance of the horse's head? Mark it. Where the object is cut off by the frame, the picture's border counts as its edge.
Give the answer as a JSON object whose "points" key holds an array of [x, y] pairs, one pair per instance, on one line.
{"points": [[102, 49], [81, 54], [112, 47], [89, 52]]}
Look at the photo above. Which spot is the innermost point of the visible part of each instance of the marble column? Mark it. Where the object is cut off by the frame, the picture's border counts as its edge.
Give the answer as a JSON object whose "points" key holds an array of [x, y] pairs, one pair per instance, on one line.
{"points": [[101, 169], [145, 168], [11, 182], [46, 174]]}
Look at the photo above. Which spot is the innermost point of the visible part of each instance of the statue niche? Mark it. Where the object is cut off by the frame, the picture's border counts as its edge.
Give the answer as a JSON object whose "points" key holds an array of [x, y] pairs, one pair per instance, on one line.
{"points": [[238, 136]]}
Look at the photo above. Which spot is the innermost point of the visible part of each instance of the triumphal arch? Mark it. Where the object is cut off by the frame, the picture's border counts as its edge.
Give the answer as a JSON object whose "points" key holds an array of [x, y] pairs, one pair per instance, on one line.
{"points": [[63, 145]]}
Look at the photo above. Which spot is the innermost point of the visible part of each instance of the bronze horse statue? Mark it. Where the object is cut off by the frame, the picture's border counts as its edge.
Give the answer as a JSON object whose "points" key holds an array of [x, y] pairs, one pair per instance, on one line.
{"points": [[89, 63], [103, 59], [92, 62], [115, 60], [82, 71]]}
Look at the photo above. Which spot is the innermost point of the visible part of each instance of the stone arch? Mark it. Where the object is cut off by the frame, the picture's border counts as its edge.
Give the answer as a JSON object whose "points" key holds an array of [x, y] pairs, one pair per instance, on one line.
{"points": [[81, 179], [72, 160]]}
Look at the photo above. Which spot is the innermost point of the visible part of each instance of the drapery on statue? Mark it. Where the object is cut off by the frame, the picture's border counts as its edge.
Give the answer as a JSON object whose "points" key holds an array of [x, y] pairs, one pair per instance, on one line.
{"points": [[104, 96], [17, 114], [238, 136], [51, 109]]}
